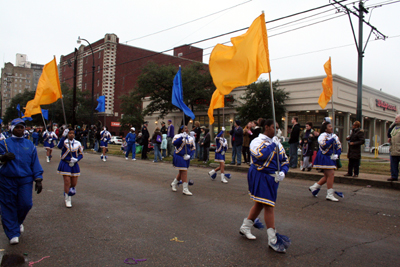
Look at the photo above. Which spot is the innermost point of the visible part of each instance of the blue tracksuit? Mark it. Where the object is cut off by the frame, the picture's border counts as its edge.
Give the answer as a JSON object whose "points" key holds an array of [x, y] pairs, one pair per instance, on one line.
{"points": [[16, 183], [131, 141], [35, 137]]}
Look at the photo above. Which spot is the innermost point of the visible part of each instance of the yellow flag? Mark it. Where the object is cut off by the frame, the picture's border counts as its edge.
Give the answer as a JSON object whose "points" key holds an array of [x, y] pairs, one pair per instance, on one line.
{"points": [[327, 86], [217, 101], [48, 89], [242, 63]]}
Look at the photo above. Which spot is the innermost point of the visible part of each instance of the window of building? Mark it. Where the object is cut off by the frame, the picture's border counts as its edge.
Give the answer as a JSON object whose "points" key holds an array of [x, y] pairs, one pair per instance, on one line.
{"points": [[20, 90], [98, 68], [98, 82], [86, 60], [85, 73], [28, 76], [85, 86], [99, 54]]}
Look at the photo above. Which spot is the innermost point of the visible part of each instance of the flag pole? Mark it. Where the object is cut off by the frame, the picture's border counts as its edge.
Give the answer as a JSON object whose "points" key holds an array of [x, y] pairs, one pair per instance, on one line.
{"points": [[44, 122], [62, 104], [183, 113], [273, 116]]}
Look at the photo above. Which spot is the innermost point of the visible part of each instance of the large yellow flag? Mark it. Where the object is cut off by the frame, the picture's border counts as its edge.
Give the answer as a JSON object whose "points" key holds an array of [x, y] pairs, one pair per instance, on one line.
{"points": [[242, 63], [326, 85], [48, 89], [217, 101]]}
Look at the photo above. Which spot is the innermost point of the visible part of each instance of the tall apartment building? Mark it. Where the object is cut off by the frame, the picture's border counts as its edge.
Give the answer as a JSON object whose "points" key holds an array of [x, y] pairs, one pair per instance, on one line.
{"points": [[117, 67], [15, 79]]}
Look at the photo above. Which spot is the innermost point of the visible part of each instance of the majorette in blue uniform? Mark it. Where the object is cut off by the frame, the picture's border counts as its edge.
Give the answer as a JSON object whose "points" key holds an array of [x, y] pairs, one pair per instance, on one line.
{"points": [[222, 146], [263, 180], [105, 136], [26, 134], [184, 149], [329, 150], [328, 145], [20, 168], [48, 138], [71, 154], [180, 141]]}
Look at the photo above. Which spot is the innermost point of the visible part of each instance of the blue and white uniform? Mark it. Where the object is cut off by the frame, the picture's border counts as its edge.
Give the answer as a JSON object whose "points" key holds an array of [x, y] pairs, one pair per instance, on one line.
{"points": [[2, 137], [328, 145], [261, 180], [69, 149], [48, 139], [105, 136], [26, 134], [179, 142], [222, 146], [16, 183]]}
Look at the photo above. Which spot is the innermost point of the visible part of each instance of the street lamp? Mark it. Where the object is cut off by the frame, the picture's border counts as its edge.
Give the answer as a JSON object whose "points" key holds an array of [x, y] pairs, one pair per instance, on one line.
{"points": [[93, 70]]}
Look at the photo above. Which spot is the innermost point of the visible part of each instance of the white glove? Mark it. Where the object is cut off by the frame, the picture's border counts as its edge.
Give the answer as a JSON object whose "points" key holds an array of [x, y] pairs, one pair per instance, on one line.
{"points": [[65, 133], [184, 135], [275, 139], [279, 176], [186, 157], [223, 129], [73, 160], [334, 157]]}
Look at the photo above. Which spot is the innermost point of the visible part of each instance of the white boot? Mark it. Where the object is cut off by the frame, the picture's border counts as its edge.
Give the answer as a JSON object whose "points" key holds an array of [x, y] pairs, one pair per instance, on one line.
{"points": [[330, 196], [47, 159], [245, 229], [67, 199], [273, 241], [223, 180], [186, 189], [14, 240], [212, 174], [105, 158], [174, 184], [21, 229], [314, 189]]}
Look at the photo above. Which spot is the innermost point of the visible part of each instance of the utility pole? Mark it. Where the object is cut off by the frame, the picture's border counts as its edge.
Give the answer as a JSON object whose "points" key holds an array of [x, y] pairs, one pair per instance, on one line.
{"points": [[360, 49], [74, 90]]}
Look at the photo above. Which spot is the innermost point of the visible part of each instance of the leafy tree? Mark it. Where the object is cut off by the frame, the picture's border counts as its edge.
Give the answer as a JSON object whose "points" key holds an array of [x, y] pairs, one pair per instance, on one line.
{"points": [[131, 107], [83, 101], [256, 102], [155, 82]]}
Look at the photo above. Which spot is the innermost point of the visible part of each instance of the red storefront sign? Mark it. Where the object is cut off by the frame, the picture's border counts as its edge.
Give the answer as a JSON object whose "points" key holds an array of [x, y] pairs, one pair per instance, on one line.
{"points": [[384, 105], [115, 124]]}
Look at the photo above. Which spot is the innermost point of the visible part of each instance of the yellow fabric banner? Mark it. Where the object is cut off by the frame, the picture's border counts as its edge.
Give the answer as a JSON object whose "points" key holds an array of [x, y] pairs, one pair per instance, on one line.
{"points": [[327, 85], [242, 63], [217, 101], [48, 89]]}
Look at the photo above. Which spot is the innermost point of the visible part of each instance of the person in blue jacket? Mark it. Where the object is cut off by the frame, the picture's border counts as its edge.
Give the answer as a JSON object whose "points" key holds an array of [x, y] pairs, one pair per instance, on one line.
{"points": [[71, 153], [263, 179], [222, 146], [20, 168], [184, 149], [35, 137], [131, 141]]}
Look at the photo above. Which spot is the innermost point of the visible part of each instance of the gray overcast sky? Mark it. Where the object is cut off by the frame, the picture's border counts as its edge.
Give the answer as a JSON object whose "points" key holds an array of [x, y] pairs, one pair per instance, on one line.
{"points": [[42, 29]]}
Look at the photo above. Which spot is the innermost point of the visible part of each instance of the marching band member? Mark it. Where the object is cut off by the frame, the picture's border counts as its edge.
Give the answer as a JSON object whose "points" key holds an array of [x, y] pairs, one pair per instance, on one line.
{"points": [[21, 167], [48, 137], [222, 146], [105, 136], [263, 179], [71, 153], [184, 149], [329, 150]]}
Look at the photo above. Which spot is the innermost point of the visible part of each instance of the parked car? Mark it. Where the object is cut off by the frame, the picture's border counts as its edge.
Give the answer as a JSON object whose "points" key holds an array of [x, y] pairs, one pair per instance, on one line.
{"points": [[213, 146], [116, 140], [383, 149]]}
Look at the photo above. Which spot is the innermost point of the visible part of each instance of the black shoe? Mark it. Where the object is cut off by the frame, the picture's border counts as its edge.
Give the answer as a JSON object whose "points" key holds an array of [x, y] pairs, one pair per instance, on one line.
{"points": [[347, 174], [232, 163], [239, 164], [392, 180], [309, 169]]}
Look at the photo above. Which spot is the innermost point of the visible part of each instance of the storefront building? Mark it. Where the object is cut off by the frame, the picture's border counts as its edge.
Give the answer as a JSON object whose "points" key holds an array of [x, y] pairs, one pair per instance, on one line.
{"points": [[378, 109]]}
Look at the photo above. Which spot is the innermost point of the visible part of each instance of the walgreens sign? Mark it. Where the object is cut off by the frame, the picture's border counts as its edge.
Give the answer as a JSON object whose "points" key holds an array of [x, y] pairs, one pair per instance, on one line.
{"points": [[384, 105]]}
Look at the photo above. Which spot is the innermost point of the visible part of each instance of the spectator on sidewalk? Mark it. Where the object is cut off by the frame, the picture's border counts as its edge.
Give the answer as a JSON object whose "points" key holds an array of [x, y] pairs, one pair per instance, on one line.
{"points": [[206, 145], [197, 131], [201, 141], [394, 140], [145, 140], [237, 142], [170, 136], [355, 140], [246, 143], [306, 141], [294, 142]]}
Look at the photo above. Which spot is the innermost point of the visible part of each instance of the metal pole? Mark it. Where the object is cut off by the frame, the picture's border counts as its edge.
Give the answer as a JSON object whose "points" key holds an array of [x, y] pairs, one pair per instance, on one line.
{"points": [[74, 89], [62, 104], [360, 61], [273, 116]]}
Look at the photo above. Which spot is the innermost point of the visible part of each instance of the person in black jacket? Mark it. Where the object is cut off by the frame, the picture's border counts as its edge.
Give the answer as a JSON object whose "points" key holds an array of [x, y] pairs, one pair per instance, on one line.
{"points": [[145, 140], [237, 142], [294, 142], [206, 145], [164, 129], [197, 131], [355, 140]]}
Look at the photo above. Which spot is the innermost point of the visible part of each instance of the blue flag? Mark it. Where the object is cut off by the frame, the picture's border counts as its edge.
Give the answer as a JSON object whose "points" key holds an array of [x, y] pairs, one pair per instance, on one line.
{"points": [[26, 118], [45, 113], [101, 107], [18, 107], [1, 121], [177, 95]]}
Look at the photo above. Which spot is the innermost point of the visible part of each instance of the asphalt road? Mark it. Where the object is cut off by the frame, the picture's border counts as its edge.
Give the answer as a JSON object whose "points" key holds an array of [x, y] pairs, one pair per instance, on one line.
{"points": [[126, 209]]}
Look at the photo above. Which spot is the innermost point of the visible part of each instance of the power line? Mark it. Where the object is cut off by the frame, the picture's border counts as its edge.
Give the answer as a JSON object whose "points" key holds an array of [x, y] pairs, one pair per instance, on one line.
{"points": [[147, 35]]}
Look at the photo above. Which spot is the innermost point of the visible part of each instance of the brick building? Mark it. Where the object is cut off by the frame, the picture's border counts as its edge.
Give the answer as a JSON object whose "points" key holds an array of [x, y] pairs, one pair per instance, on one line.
{"points": [[16, 79], [117, 67]]}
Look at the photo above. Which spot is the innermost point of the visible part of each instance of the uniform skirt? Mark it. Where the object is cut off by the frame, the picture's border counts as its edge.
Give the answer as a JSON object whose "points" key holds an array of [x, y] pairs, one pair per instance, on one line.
{"points": [[103, 144], [179, 162], [219, 157], [324, 162], [262, 187], [48, 145], [65, 169]]}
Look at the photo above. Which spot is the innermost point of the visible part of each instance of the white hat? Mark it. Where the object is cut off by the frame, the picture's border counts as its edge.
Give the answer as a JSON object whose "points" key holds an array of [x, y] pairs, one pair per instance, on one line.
{"points": [[133, 129]]}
